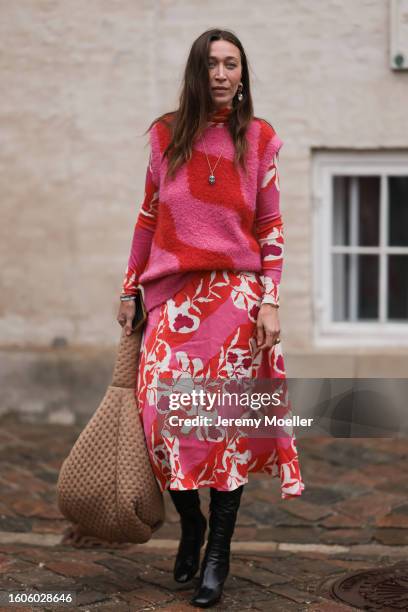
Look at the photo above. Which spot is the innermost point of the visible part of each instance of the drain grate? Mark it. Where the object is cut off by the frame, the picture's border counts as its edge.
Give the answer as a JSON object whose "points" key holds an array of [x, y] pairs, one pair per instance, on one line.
{"points": [[384, 588]]}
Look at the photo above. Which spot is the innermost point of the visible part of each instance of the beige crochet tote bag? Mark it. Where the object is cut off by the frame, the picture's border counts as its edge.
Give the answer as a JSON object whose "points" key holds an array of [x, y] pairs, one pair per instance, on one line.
{"points": [[106, 485]]}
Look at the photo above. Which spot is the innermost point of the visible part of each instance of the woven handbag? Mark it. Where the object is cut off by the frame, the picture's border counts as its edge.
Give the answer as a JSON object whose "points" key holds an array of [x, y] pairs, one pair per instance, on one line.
{"points": [[106, 485]]}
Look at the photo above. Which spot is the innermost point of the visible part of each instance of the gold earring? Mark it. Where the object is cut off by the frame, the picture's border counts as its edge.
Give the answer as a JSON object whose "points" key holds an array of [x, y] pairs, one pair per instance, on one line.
{"points": [[240, 96]]}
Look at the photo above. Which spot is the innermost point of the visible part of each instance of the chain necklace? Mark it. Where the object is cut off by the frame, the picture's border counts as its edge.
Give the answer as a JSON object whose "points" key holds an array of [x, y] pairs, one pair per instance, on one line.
{"points": [[217, 116], [211, 178]]}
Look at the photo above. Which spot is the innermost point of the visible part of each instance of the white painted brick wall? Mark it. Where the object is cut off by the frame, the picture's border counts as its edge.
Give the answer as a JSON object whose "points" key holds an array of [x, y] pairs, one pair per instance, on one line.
{"points": [[81, 81]]}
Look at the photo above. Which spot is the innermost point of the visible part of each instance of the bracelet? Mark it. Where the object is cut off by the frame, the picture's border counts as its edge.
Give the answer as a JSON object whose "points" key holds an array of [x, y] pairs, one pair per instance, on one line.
{"points": [[127, 298], [269, 304]]}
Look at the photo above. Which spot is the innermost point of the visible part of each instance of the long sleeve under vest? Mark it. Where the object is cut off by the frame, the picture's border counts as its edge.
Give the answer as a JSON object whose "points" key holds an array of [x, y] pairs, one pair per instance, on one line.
{"points": [[187, 224]]}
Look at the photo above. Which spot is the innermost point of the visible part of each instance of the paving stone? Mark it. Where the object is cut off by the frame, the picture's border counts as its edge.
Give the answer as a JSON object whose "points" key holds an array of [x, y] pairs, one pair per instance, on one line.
{"points": [[245, 533], [21, 609], [75, 569], [42, 525], [5, 510], [293, 594], [89, 597], [392, 470], [117, 564], [11, 549], [322, 496], [180, 606], [348, 566], [345, 536], [14, 524], [139, 600], [31, 507], [99, 584], [398, 517], [37, 577], [121, 583], [341, 520], [164, 580], [10, 564], [165, 564], [329, 606], [23, 477], [328, 472], [263, 557], [349, 453], [256, 574], [349, 490], [377, 551], [258, 493], [43, 555], [238, 591], [398, 485], [398, 446], [291, 534], [111, 605], [275, 605], [369, 506], [148, 595], [301, 567], [278, 516], [50, 476], [391, 537], [167, 531], [308, 511], [6, 563]]}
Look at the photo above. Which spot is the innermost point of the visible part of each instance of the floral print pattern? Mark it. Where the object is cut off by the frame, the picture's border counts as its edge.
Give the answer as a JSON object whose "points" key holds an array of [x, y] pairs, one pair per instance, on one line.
{"points": [[205, 335]]}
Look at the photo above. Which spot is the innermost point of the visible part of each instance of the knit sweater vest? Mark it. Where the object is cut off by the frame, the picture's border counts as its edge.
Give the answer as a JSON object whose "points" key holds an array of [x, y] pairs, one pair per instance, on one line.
{"points": [[187, 224]]}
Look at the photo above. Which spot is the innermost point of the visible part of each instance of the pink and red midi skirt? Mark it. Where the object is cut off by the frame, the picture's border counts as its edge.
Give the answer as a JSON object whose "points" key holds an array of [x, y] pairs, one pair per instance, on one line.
{"points": [[208, 330]]}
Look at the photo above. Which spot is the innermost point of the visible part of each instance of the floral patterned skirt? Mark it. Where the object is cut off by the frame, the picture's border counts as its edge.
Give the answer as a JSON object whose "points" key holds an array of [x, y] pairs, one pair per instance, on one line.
{"points": [[207, 330]]}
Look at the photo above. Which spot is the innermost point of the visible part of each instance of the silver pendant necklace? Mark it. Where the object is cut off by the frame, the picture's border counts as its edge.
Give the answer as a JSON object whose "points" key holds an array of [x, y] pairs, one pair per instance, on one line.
{"points": [[211, 178]]}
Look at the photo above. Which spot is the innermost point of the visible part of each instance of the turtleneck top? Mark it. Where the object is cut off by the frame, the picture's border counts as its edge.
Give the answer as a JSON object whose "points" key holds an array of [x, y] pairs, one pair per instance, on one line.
{"points": [[187, 224]]}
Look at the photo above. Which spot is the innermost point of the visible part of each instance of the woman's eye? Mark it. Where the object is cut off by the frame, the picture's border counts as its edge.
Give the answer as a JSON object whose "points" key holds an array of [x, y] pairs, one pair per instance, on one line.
{"points": [[212, 65]]}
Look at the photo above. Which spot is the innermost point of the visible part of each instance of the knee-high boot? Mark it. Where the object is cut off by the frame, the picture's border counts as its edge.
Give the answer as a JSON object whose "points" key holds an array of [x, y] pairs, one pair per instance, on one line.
{"points": [[224, 507], [193, 527]]}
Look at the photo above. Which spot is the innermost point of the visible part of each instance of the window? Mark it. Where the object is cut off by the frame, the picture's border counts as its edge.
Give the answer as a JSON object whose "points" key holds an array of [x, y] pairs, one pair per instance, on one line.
{"points": [[361, 248]]}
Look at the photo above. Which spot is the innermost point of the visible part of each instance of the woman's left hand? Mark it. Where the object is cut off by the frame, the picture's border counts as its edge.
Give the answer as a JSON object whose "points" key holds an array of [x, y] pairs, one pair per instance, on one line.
{"points": [[267, 326]]}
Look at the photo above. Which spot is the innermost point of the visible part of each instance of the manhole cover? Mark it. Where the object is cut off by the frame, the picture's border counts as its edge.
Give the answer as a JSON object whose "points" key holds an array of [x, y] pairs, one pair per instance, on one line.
{"points": [[384, 588]]}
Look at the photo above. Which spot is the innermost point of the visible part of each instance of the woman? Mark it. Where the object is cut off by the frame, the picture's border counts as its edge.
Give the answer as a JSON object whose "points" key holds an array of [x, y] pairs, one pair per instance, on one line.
{"points": [[207, 257]]}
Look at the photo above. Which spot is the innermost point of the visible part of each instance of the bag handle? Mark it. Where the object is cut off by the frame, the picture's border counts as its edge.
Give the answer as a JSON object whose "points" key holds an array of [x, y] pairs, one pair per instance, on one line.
{"points": [[127, 359]]}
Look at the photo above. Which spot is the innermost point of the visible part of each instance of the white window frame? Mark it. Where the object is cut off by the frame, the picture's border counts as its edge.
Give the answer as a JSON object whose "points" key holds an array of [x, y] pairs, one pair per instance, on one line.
{"points": [[329, 333]]}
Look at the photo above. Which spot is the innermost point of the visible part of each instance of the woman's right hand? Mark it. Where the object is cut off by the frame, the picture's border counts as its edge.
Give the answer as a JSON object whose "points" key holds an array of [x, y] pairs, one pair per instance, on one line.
{"points": [[126, 314]]}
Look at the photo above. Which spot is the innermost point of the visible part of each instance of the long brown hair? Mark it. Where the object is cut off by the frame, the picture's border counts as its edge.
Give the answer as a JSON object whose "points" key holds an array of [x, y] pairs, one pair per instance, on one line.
{"points": [[187, 123]]}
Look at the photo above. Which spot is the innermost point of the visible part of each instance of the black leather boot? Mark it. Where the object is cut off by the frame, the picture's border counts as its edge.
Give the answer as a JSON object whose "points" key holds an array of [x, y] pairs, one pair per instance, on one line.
{"points": [[224, 507], [193, 527]]}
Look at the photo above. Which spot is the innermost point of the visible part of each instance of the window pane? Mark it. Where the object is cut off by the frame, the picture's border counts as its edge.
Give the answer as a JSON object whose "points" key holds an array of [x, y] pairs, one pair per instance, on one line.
{"points": [[398, 287], [368, 287], [356, 210], [341, 210], [340, 290], [398, 210], [369, 210], [355, 287]]}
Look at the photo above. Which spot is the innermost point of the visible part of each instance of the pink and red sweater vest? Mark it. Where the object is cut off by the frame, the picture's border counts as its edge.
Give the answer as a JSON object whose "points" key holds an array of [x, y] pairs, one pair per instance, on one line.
{"points": [[187, 224]]}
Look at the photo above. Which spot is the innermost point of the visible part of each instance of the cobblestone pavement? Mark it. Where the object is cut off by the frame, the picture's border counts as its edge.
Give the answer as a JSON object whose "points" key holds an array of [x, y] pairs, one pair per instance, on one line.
{"points": [[285, 553]]}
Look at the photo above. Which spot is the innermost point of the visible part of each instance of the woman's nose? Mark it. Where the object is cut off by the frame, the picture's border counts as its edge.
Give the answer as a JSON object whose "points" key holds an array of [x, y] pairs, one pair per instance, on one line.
{"points": [[220, 72]]}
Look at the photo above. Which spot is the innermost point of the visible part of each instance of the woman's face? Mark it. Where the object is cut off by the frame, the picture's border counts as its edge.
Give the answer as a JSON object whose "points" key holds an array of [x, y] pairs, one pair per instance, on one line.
{"points": [[224, 69]]}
